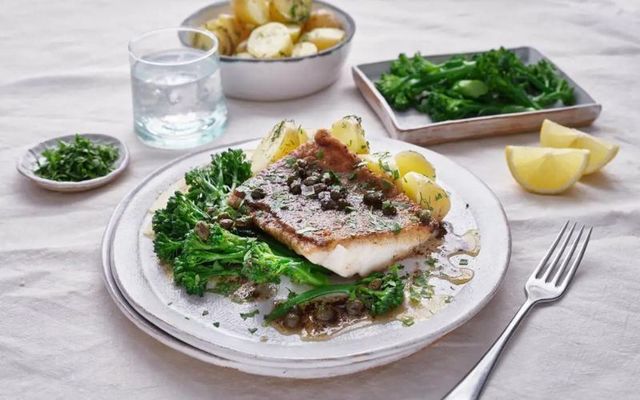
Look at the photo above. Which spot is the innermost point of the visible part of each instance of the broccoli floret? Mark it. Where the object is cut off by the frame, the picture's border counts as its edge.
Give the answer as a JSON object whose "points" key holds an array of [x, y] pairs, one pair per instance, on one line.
{"points": [[396, 90], [210, 250], [178, 217], [166, 249], [262, 265], [379, 292], [209, 186]]}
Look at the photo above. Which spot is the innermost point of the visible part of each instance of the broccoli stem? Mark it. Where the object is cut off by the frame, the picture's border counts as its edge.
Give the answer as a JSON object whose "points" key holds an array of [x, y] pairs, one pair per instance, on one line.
{"points": [[283, 308]]}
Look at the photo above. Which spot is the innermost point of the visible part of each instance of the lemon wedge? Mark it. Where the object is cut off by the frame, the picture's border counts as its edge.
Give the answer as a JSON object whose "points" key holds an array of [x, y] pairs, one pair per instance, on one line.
{"points": [[546, 170], [556, 135]]}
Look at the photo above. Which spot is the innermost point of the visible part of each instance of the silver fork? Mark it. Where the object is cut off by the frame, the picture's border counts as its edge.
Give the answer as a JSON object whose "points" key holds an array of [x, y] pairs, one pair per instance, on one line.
{"points": [[548, 283]]}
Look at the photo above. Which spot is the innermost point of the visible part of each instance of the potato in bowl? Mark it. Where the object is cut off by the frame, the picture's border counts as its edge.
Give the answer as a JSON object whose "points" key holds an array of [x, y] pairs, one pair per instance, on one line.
{"points": [[289, 49]]}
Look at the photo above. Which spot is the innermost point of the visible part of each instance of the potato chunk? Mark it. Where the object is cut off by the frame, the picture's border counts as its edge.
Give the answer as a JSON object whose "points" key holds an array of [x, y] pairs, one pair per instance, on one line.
{"points": [[270, 41], [322, 19], [294, 30], [324, 38], [283, 138], [252, 12], [428, 194], [290, 10], [304, 49], [349, 131], [412, 161]]}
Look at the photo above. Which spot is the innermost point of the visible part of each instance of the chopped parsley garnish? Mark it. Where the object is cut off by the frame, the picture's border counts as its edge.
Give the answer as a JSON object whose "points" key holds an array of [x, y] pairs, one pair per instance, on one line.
{"points": [[463, 261], [216, 324], [320, 154], [205, 312], [249, 314], [407, 321], [77, 160], [252, 330], [420, 288]]}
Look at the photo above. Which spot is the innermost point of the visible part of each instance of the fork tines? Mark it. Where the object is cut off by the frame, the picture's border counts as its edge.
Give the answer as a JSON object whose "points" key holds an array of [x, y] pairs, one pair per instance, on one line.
{"points": [[559, 275]]}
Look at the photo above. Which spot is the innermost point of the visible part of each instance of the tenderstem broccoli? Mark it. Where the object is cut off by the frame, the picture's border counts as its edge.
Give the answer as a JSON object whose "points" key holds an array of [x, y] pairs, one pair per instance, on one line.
{"points": [[380, 292], [495, 82]]}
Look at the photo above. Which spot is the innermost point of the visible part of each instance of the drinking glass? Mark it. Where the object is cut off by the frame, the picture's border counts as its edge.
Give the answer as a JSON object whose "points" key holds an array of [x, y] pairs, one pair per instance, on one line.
{"points": [[176, 88]]}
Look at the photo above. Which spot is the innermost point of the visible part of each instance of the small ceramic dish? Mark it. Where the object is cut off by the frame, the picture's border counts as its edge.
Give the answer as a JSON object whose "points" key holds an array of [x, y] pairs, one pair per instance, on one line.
{"points": [[28, 163], [284, 78]]}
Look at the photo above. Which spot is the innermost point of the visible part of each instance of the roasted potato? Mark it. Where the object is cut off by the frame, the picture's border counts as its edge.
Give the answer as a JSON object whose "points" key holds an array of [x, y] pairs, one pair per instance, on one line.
{"points": [[349, 131], [251, 12], [324, 38], [304, 49], [295, 11], [283, 138], [322, 19], [271, 40]]}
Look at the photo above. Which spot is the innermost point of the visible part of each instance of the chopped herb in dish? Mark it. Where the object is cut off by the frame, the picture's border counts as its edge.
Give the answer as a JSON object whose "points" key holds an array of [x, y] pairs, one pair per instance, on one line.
{"points": [[78, 160], [249, 314]]}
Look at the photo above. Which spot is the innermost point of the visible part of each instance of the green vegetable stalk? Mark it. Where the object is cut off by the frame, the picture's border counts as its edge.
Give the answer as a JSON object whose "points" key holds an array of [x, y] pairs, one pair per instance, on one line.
{"points": [[495, 82], [378, 292]]}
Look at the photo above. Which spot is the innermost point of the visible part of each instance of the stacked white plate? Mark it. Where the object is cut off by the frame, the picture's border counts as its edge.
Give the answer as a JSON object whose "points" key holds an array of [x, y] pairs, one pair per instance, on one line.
{"points": [[144, 290]]}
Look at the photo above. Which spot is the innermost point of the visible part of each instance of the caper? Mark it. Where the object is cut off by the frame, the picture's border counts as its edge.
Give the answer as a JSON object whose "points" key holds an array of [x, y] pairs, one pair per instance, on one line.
{"points": [[258, 193], [388, 208], [223, 215], [373, 199], [424, 216], [319, 187], [311, 180], [226, 223], [202, 230], [328, 204], [375, 284], [328, 178], [291, 319], [325, 313], [354, 307], [295, 188], [336, 194], [243, 221], [343, 204], [300, 163]]}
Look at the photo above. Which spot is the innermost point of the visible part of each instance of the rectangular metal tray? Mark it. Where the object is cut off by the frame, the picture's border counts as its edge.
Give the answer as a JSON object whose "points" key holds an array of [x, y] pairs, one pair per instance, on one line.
{"points": [[415, 127]]}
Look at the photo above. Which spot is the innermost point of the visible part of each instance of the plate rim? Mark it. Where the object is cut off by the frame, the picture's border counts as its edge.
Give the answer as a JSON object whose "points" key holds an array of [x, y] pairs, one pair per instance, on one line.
{"points": [[417, 342]]}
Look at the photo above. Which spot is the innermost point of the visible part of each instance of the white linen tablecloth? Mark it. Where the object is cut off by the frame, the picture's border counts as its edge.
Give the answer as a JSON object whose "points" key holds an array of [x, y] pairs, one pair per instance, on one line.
{"points": [[64, 69]]}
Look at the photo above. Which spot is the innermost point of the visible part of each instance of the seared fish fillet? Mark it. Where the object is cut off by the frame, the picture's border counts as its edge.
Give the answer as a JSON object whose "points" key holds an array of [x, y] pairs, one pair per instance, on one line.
{"points": [[334, 225]]}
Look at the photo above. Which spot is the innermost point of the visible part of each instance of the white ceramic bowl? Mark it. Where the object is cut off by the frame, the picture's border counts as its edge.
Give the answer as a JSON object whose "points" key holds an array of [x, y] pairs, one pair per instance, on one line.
{"points": [[28, 163], [282, 79]]}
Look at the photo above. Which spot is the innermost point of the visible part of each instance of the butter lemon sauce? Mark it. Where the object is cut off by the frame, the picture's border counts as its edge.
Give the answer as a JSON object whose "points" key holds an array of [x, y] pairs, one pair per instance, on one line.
{"points": [[441, 270]]}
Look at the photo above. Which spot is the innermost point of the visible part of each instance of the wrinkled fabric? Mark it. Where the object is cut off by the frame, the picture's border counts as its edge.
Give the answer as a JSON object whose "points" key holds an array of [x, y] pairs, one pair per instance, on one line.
{"points": [[64, 69]]}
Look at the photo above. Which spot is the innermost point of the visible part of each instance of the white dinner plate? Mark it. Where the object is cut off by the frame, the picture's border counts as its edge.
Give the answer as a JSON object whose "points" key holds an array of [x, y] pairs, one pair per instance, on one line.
{"points": [[149, 291]]}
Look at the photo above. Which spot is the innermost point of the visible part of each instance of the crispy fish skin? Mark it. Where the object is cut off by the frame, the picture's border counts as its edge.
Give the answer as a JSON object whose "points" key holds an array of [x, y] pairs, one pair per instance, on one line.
{"points": [[347, 243]]}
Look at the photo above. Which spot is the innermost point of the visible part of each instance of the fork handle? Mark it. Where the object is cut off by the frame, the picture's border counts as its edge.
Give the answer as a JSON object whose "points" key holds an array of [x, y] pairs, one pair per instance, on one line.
{"points": [[470, 387]]}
